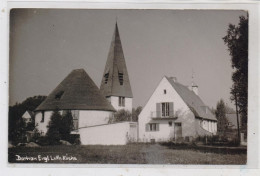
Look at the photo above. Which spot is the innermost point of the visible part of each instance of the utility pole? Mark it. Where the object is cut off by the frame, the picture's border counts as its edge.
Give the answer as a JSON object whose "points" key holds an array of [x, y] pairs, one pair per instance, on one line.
{"points": [[238, 129]]}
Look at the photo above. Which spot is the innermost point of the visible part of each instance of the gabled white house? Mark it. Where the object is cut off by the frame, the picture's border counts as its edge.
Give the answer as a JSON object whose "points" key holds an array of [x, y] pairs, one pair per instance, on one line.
{"points": [[175, 111], [28, 116]]}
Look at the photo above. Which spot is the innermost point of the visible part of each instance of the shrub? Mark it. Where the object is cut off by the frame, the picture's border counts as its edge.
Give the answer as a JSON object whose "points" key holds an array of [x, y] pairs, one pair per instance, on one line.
{"points": [[35, 136], [234, 142], [66, 126], [220, 140], [43, 140], [53, 133], [77, 141], [120, 116], [74, 139]]}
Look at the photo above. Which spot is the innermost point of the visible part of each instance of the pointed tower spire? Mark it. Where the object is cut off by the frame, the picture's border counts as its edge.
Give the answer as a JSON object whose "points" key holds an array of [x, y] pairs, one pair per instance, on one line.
{"points": [[115, 82]]}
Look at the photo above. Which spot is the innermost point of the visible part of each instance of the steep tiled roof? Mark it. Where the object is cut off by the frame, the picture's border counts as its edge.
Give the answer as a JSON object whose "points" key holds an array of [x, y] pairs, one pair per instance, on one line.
{"points": [[76, 92], [192, 100], [116, 66]]}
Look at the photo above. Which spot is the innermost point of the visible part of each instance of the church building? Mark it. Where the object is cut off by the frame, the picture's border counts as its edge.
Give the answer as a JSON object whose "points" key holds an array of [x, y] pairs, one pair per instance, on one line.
{"points": [[79, 94], [115, 84], [91, 107]]}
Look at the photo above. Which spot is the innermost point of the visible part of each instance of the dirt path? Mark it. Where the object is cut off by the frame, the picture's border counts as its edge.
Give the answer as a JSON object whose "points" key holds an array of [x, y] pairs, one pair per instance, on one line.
{"points": [[154, 154]]}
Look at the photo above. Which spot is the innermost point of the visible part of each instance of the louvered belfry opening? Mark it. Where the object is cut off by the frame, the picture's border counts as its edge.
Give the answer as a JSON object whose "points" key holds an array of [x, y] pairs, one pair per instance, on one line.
{"points": [[115, 81]]}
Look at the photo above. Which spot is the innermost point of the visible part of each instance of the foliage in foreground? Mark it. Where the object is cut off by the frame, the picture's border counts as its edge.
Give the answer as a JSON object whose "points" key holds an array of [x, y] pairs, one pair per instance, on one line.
{"points": [[16, 125], [59, 127]]}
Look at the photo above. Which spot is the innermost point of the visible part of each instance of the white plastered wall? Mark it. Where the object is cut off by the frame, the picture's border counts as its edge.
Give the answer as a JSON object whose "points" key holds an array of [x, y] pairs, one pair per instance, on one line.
{"points": [[110, 134], [166, 132], [210, 126], [92, 117], [42, 126], [114, 101], [86, 118]]}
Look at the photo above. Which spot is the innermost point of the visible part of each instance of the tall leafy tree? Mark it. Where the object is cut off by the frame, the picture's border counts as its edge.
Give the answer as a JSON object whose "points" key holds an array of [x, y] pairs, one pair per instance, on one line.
{"points": [[237, 43], [220, 112], [135, 113]]}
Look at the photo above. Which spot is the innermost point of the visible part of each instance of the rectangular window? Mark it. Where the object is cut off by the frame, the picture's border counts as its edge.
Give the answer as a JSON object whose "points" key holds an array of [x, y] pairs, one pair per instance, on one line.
{"points": [[121, 78], [121, 101], [178, 124], [42, 116], [75, 116], [164, 91], [152, 127], [165, 109]]}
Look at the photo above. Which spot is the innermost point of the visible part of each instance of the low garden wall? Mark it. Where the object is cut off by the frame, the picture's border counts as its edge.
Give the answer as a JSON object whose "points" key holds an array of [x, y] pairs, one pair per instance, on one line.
{"points": [[109, 134]]}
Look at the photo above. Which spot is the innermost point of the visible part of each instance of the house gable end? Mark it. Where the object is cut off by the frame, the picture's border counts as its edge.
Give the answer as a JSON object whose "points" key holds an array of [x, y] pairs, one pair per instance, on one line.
{"points": [[159, 96]]}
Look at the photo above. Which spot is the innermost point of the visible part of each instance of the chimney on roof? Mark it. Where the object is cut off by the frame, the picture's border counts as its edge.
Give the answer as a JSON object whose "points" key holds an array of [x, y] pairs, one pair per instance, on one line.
{"points": [[195, 88], [174, 79]]}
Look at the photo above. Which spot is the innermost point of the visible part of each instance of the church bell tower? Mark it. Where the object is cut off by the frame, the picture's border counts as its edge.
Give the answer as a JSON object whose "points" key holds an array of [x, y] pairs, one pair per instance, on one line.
{"points": [[115, 84]]}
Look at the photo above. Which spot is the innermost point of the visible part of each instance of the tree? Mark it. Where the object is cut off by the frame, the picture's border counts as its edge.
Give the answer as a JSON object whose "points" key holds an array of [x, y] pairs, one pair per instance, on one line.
{"points": [[135, 113], [53, 133], [220, 112], [66, 125], [237, 43], [229, 110], [121, 116], [16, 127]]}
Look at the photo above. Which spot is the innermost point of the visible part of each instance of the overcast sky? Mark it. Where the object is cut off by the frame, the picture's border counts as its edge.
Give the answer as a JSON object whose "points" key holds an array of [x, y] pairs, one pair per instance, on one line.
{"points": [[46, 45]]}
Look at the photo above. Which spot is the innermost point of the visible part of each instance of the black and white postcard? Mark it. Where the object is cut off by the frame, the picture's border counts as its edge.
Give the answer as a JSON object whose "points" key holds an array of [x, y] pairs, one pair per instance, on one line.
{"points": [[133, 86]]}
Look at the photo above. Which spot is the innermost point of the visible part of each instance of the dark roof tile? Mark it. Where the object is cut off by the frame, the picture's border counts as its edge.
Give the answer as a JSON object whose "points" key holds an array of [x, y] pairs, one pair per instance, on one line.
{"points": [[116, 65], [192, 100], [76, 92]]}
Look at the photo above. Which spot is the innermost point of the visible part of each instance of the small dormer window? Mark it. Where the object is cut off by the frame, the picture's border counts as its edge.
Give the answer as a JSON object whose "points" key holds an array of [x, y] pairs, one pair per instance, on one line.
{"points": [[106, 77], [121, 78], [164, 91], [59, 95]]}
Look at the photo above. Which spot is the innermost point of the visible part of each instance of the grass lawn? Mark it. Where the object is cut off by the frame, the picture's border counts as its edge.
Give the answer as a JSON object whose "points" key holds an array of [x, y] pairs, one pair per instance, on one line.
{"points": [[127, 154]]}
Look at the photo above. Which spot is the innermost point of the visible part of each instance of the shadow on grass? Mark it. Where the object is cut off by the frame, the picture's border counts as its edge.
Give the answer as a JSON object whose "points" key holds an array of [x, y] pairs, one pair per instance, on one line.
{"points": [[206, 148]]}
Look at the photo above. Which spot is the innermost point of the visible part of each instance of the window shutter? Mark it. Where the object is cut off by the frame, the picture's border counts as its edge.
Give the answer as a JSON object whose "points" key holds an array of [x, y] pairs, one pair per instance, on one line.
{"points": [[158, 109], [171, 113], [147, 127], [157, 126]]}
